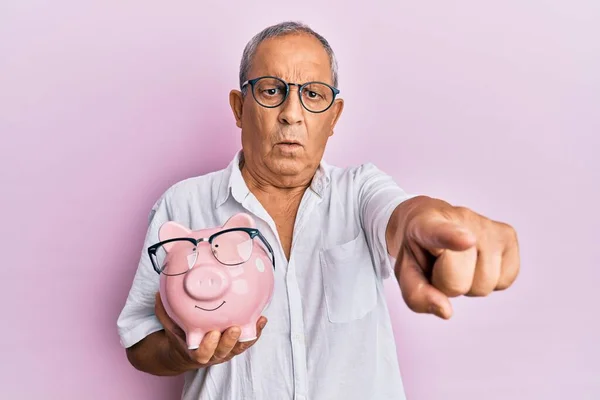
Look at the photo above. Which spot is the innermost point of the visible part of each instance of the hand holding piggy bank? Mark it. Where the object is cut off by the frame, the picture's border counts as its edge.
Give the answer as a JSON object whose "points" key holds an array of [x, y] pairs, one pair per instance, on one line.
{"points": [[212, 279]]}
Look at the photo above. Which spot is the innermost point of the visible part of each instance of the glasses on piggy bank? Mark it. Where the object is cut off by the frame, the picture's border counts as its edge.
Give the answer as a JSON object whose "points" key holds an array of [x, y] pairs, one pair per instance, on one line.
{"points": [[229, 247]]}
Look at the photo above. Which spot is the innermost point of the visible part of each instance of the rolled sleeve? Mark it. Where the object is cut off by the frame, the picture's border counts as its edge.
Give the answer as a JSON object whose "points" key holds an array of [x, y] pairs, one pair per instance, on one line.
{"points": [[378, 197], [137, 319]]}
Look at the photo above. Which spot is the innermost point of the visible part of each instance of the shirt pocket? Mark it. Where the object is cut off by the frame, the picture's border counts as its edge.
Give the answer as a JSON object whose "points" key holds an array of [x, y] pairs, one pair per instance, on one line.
{"points": [[349, 280]]}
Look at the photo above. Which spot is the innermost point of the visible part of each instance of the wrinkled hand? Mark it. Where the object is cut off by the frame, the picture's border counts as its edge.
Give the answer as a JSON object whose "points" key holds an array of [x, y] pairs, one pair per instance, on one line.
{"points": [[451, 251], [215, 348]]}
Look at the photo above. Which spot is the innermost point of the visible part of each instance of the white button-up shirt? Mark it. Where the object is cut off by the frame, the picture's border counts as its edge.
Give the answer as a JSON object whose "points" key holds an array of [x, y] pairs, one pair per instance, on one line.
{"points": [[329, 334]]}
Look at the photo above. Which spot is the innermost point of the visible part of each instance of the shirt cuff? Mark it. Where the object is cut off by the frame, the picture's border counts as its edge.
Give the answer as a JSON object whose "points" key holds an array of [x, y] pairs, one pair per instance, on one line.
{"points": [[387, 261], [140, 331]]}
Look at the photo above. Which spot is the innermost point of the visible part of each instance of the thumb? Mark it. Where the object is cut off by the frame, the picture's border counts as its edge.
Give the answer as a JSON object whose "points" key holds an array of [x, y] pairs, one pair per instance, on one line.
{"points": [[418, 294], [436, 233]]}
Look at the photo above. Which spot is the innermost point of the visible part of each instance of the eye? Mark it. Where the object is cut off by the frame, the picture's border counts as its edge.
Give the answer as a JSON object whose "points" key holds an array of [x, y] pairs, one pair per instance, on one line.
{"points": [[271, 91], [313, 95]]}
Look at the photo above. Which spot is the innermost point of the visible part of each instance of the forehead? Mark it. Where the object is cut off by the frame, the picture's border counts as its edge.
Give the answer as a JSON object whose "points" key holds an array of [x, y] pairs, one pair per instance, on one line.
{"points": [[296, 58]]}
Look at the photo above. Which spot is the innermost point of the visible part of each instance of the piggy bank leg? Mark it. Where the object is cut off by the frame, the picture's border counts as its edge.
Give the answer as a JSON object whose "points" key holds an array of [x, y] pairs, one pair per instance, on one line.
{"points": [[193, 339], [248, 332]]}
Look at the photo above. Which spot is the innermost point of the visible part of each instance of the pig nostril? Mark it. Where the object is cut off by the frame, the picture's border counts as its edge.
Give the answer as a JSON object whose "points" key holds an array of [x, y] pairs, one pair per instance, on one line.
{"points": [[206, 283]]}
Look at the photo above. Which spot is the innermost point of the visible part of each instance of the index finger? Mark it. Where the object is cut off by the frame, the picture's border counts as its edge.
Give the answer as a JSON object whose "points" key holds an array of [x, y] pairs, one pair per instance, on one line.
{"points": [[435, 233]]}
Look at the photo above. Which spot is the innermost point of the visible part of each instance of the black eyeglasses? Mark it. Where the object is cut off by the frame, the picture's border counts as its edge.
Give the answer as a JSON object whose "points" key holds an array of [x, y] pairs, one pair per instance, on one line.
{"points": [[229, 247], [271, 92]]}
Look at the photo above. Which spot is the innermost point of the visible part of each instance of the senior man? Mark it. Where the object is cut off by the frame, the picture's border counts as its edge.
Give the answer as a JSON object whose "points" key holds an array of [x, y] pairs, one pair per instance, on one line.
{"points": [[335, 233]]}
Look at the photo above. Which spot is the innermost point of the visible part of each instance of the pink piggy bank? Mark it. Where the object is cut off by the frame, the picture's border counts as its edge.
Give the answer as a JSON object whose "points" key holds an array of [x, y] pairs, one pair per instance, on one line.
{"points": [[211, 279]]}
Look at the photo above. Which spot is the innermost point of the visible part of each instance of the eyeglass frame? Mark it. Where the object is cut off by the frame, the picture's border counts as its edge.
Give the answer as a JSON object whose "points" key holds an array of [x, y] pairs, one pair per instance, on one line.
{"points": [[252, 232], [301, 87]]}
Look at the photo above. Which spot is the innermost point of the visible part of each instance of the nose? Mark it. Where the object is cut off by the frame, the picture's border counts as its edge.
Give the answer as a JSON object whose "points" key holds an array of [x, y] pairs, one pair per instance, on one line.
{"points": [[291, 110], [206, 282]]}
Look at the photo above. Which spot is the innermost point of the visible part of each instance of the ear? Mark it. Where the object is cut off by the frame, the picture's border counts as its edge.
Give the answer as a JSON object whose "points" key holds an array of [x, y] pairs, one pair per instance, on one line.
{"points": [[170, 230], [241, 220], [236, 101], [337, 108]]}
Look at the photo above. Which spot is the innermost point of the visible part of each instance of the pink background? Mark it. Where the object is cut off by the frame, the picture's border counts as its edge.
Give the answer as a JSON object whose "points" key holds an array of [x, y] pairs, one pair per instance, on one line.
{"points": [[495, 106]]}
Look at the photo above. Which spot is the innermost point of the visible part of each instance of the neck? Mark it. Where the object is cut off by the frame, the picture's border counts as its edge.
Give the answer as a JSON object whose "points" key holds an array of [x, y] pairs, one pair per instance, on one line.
{"points": [[269, 185], [279, 195]]}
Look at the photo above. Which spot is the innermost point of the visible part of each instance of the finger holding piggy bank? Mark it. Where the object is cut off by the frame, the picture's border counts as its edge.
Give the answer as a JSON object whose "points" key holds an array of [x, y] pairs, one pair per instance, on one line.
{"points": [[214, 279], [215, 348]]}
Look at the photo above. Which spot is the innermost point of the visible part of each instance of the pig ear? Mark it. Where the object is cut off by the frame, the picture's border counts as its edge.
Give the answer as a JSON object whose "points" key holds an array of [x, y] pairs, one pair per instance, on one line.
{"points": [[241, 220], [170, 230]]}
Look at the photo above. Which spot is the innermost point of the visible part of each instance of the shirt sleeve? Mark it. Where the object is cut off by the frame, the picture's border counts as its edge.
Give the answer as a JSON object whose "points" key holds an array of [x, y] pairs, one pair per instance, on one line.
{"points": [[378, 197], [137, 319]]}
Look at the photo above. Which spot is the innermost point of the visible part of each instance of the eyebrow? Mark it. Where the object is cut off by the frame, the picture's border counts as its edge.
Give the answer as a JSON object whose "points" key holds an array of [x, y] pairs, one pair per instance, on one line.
{"points": [[300, 81]]}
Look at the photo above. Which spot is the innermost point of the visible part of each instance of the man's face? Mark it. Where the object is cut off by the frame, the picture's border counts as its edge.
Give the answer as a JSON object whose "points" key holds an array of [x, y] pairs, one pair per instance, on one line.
{"points": [[287, 140]]}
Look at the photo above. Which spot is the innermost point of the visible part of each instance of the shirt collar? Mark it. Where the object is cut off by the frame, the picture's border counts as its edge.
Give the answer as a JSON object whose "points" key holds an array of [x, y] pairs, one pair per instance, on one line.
{"points": [[233, 184]]}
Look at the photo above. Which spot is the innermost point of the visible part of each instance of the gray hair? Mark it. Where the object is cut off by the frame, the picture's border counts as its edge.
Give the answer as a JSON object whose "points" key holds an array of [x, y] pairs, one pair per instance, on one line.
{"points": [[282, 29]]}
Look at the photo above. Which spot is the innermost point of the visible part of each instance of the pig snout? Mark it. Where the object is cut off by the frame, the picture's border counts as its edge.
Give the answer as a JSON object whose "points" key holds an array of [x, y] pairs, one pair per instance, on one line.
{"points": [[206, 282]]}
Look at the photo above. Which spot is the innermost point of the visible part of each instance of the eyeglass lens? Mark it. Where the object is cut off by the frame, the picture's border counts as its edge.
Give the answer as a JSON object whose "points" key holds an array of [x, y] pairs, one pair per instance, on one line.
{"points": [[229, 248], [233, 247], [181, 256], [271, 92]]}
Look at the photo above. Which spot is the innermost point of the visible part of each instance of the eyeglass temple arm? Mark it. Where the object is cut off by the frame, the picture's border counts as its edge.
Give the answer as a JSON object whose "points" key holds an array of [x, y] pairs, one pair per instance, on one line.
{"points": [[262, 238]]}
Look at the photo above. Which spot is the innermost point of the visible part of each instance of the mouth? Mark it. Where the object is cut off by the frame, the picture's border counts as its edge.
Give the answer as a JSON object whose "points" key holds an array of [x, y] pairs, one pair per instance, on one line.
{"points": [[289, 143], [288, 147], [211, 309]]}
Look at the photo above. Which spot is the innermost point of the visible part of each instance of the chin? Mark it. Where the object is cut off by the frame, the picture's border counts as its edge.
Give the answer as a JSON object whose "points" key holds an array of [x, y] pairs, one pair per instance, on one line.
{"points": [[288, 166]]}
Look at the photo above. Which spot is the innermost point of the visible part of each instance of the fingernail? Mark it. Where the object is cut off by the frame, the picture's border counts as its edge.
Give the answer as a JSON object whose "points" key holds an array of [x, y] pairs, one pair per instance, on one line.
{"points": [[234, 333], [262, 324]]}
